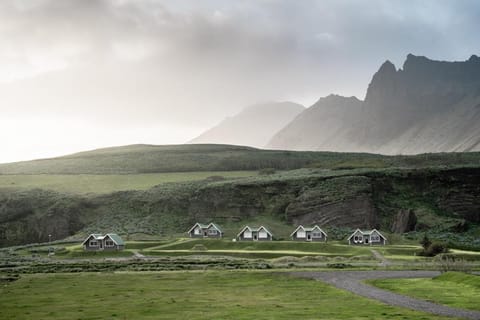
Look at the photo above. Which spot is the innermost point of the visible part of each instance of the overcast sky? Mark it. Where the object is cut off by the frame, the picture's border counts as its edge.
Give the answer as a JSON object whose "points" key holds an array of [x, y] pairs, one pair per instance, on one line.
{"points": [[77, 75]]}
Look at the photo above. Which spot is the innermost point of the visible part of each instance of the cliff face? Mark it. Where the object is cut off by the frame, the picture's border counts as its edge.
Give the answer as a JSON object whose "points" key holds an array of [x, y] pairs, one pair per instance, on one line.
{"points": [[439, 199], [427, 106]]}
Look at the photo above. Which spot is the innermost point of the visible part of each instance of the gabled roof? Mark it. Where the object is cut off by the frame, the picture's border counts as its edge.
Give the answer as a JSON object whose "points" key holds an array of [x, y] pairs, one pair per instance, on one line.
{"points": [[96, 236], [366, 232], [116, 238], [216, 226], [257, 229], [381, 235], [205, 226], [308, 229]]}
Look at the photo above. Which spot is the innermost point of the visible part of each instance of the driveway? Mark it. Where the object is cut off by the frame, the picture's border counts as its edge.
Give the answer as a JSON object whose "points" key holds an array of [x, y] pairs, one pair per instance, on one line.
{"points": [[353, 282]]}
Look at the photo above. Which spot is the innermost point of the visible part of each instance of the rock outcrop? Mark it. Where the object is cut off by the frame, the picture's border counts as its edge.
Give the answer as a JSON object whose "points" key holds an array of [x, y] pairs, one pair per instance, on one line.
{"points": [[404, 221]]}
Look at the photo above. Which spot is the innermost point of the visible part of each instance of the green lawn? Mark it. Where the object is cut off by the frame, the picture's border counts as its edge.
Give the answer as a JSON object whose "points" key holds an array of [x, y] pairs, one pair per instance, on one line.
{"points": [[452, 288], [186, 295], [105, 183]]}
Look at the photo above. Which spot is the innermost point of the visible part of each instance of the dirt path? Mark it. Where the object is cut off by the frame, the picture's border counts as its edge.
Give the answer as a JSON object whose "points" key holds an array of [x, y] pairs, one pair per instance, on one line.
{"points": [[353, 282], [383, 261]]}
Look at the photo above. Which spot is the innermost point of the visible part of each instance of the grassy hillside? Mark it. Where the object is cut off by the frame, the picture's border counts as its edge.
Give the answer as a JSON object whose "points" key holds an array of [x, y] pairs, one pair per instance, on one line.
{"points": [[106, 183], [138, 159], [446, 202]]}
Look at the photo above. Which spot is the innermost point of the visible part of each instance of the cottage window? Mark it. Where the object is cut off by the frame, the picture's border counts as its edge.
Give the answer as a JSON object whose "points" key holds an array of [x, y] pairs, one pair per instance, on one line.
{"points": [[93, 243], [109, 243], [262, 234], [316, 234], [212, 231], [247, 234], [197, 230], [357, 238], [301, 234], [375, 238]]}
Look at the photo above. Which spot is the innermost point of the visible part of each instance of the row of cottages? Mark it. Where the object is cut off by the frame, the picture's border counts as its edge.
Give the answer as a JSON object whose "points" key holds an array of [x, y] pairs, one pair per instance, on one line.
{"points": [[301, 233], [103, 242], [367, 237]]}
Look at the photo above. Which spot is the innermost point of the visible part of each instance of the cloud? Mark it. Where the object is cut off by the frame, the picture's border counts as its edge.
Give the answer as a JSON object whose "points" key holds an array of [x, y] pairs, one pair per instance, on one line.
{"points": [[128, 64]]}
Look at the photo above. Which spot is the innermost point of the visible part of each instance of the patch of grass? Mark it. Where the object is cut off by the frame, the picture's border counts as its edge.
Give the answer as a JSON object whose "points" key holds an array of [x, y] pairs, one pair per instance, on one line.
{"points": [[186, 295], [451, 288], [106, 183]]}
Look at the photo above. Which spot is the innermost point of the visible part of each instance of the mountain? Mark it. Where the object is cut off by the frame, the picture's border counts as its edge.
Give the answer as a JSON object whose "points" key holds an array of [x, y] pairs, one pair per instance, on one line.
{"points": [[427, 106], [254, 126]]}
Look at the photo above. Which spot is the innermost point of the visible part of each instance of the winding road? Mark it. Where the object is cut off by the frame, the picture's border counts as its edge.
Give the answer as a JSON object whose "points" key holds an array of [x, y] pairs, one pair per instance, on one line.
{"points": [[353, 282]]}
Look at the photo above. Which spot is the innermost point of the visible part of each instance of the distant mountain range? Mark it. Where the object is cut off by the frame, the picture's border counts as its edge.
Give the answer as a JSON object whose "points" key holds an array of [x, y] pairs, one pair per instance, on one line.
{"points": [[427, 106], [254, 126]]}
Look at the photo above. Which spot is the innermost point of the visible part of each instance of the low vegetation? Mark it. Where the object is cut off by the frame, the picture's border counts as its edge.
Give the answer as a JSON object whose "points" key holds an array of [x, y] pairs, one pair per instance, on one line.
{"points": [[452, 288], [186, 295]]}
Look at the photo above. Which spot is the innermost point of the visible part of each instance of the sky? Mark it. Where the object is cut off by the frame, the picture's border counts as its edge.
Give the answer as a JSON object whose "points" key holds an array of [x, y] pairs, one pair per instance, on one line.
{"points": [[77, 75]]}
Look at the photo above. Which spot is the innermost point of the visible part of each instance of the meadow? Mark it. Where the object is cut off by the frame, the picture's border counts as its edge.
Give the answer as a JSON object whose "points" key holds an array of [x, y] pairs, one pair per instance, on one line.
{"points": [[106, 183], [452, 288], [186, 295]]}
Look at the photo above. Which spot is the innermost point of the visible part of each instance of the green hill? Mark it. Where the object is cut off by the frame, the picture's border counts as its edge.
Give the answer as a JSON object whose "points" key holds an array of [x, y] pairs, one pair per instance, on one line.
{"points": [[138, 159]]}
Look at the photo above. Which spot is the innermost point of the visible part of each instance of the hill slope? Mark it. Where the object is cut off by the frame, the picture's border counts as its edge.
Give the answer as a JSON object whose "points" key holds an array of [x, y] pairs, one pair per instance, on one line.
{"points": [[427, 106], [136, 159], [254, 126], [441, 200]]}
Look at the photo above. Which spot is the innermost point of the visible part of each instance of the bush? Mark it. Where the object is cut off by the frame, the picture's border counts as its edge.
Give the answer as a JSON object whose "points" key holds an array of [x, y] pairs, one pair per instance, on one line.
{"points": [[434, 249]]}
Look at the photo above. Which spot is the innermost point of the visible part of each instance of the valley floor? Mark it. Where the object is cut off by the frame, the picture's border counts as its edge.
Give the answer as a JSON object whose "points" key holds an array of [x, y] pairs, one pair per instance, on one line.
{"points": [[187, 295]]}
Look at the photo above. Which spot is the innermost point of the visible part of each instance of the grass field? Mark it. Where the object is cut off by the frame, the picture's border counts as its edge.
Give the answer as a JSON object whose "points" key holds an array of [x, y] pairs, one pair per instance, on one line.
{"points": [[89, 183], [453, 289], [186, 295]]}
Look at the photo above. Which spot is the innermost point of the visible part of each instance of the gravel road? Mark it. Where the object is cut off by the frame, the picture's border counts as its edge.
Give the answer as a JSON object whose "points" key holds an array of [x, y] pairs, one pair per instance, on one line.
{"points": [[353, 282]]}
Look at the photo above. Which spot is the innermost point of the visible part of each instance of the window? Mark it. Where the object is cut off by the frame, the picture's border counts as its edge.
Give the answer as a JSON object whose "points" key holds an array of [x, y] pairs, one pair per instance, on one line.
{"points": [[316, 234], [109, 243], [197, 230], [357, 238], [212, 231], [93, 243], [262, 234], [375, 238], [301, 234], [247, 234]]}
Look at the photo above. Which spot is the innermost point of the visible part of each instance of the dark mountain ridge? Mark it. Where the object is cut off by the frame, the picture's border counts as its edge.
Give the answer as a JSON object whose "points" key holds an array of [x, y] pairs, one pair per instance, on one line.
{"points": [[427, 106]]}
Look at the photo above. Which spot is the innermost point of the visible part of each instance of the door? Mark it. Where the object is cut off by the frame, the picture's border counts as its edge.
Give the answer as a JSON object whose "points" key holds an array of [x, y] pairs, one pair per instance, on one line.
{"points": [[366, 240], [309, 237], [101, 245], [255, 238]]}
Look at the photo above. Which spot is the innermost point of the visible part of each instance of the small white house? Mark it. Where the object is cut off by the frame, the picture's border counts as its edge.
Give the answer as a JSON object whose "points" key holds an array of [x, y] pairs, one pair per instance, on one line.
{"points": [[254, 234], [367, 237], [210, 230], [314, 233]]}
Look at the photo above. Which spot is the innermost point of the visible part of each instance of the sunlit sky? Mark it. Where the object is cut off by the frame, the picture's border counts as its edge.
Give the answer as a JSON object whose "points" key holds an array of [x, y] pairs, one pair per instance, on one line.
{"points": [[78, 75]]}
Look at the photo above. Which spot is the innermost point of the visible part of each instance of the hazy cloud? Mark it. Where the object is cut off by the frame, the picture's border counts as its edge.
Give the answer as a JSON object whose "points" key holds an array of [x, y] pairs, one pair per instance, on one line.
{"points": [[187, 64]]}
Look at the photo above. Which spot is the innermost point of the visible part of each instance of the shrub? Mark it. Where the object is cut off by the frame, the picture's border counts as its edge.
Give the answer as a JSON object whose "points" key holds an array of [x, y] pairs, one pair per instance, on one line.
{"points": [[434, 249]]}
